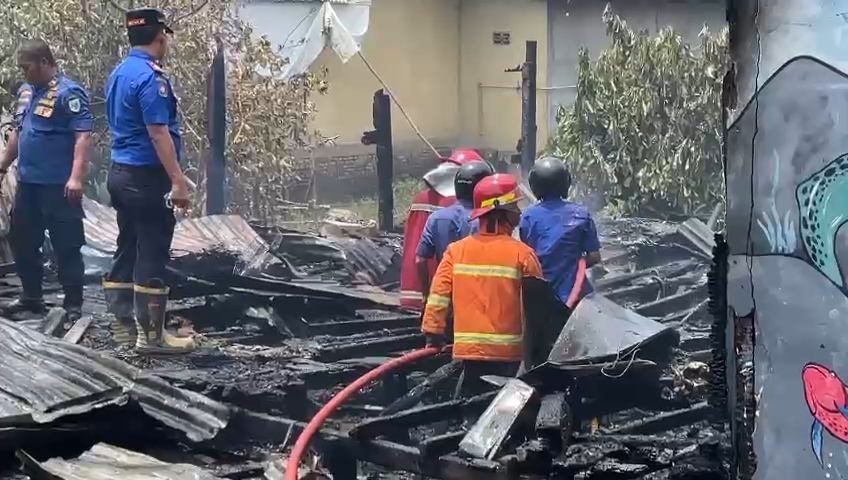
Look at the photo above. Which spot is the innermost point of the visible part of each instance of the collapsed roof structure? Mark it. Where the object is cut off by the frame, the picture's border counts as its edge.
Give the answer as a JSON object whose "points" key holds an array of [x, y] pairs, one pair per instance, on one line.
{"points": [[286, 318]]}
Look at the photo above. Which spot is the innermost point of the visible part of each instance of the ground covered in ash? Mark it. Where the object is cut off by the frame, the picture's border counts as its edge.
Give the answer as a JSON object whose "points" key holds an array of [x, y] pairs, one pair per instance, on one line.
{"points": [[621, 394]]}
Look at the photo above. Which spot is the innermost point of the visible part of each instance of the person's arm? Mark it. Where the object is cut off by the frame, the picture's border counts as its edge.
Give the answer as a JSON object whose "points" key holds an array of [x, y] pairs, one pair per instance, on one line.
{"points": [[11, 151], [10, 154], [81, 121], [530, 266], [436, 311], [592, 247], [155, 97], [425, 251], [524, 229]]}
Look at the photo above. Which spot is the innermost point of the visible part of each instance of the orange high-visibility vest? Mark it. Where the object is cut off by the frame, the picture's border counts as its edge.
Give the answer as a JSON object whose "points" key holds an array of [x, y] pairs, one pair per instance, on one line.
{"points": [[481, 277], [423, 205]]}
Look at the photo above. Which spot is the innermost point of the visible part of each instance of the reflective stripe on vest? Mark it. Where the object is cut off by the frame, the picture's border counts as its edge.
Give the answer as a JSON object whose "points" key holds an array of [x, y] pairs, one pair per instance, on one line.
{"points": [[423, 207], [487, 271], [439, 301], [488, 338]]}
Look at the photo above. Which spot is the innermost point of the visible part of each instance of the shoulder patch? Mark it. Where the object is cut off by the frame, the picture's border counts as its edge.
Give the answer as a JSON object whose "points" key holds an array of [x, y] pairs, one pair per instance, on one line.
{"points": [[164, 90], [74, 104]]}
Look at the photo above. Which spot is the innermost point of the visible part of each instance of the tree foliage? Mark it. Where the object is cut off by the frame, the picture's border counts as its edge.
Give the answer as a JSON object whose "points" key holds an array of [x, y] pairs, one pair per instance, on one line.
{"points": [[268, 119], [645, 129]]}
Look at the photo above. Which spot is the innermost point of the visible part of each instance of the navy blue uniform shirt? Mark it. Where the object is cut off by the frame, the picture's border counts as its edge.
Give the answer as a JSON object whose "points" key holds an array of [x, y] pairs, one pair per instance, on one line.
{"points": [[560, 232], [445, 226], [139, 94], [47, 119]]}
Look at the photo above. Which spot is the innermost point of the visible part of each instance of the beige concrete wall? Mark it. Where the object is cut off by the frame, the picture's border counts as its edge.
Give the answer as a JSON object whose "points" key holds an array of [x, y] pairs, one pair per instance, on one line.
{"points": [[490, 100], [435, 54], [414, 46]]}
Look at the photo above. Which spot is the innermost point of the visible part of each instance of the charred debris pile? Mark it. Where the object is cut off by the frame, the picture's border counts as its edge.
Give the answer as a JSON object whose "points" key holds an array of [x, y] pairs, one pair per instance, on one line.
{"points": [[284, 320]]}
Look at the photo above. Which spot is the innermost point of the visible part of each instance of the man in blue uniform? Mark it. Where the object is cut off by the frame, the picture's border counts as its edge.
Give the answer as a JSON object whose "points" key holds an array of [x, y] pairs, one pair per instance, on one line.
{"points": [[451, 223], [145, 184], [51, 142], [559, 231]]}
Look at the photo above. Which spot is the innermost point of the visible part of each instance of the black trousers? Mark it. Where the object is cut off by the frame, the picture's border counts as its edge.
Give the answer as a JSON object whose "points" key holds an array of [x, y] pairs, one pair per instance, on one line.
{"points": [[145, 223], [44, 207]]}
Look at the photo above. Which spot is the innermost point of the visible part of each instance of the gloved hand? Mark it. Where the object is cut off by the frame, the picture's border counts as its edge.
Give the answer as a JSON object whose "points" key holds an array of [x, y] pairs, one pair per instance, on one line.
{"points": [[434, 340]]}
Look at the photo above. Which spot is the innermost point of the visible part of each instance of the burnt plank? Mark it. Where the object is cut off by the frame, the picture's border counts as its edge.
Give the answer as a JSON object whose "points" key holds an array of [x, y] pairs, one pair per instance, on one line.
{"points": [[432, 382], [664, 421], [379, 346], [452, 410]]}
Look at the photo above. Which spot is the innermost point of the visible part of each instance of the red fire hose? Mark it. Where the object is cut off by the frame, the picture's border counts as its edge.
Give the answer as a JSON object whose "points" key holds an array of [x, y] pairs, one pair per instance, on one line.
{"points": [[574, 296], [375, 374], [331, 406]]}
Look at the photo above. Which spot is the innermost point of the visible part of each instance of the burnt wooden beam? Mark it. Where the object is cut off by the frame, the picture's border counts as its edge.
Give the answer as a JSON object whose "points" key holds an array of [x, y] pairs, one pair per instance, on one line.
{"points": [[636, 441], [439, 445], [253, 429], [664, 421], [350, 327], [379, 346], [432, 382], [414, 417]]}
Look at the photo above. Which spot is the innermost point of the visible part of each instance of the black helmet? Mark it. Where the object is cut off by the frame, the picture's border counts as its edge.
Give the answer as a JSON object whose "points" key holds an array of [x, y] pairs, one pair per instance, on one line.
{"points": [[468, 176], [549, 177]]}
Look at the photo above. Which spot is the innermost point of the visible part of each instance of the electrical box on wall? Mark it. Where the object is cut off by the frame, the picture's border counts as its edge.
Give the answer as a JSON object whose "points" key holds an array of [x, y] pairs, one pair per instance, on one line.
{"points": [[500, 38]]}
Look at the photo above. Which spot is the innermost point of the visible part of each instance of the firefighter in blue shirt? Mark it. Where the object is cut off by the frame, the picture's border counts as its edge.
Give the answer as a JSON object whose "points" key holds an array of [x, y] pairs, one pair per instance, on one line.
{"points": [[451, 223], [51, 142], [559, 231], [145, 184]]}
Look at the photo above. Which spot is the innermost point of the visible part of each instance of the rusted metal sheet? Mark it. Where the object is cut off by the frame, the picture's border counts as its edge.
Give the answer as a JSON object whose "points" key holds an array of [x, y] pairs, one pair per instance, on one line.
{"points": [[106, 462], [43, 379]]}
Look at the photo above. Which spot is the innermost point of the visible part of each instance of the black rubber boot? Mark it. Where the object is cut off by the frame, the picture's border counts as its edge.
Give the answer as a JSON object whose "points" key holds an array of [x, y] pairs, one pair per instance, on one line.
{"points": [[150, 314], [23, 304], [119, 302]]}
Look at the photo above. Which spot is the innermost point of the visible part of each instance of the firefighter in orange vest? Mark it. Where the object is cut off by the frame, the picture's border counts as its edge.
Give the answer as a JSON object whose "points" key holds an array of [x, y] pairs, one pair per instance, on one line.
{"points": [[480, 276], [439, 193]]}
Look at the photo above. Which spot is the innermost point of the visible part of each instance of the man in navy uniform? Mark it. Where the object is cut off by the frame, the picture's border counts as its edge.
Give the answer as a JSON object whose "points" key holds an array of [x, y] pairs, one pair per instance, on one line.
{"points": [[51, 142], [145, 183]]}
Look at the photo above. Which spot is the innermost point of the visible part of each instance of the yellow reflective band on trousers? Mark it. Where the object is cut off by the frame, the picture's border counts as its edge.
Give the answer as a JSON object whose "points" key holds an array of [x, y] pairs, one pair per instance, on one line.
{"points": [[412, 295], [423, 207], [435, 300], [151, 290], [486, 271], [117, 285]]}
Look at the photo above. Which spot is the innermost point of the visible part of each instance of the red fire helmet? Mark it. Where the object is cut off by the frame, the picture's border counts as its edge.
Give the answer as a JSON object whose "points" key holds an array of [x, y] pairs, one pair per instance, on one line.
{"points": [[495, 191], [461, 156]]}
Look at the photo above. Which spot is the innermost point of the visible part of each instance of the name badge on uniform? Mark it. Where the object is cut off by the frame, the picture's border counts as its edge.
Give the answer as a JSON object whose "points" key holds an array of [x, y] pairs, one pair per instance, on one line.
{"points": [[42, 111]]}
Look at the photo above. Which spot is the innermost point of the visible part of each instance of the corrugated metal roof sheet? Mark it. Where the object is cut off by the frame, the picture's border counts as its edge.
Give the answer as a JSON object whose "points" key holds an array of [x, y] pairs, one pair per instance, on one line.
{"points": [[218, 233], [229, 233], [42, 379], [105, 462]]}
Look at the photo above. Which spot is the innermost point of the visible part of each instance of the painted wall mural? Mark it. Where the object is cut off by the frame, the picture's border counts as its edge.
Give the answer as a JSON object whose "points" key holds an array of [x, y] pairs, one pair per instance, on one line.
{"points": [[787, 181]]}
